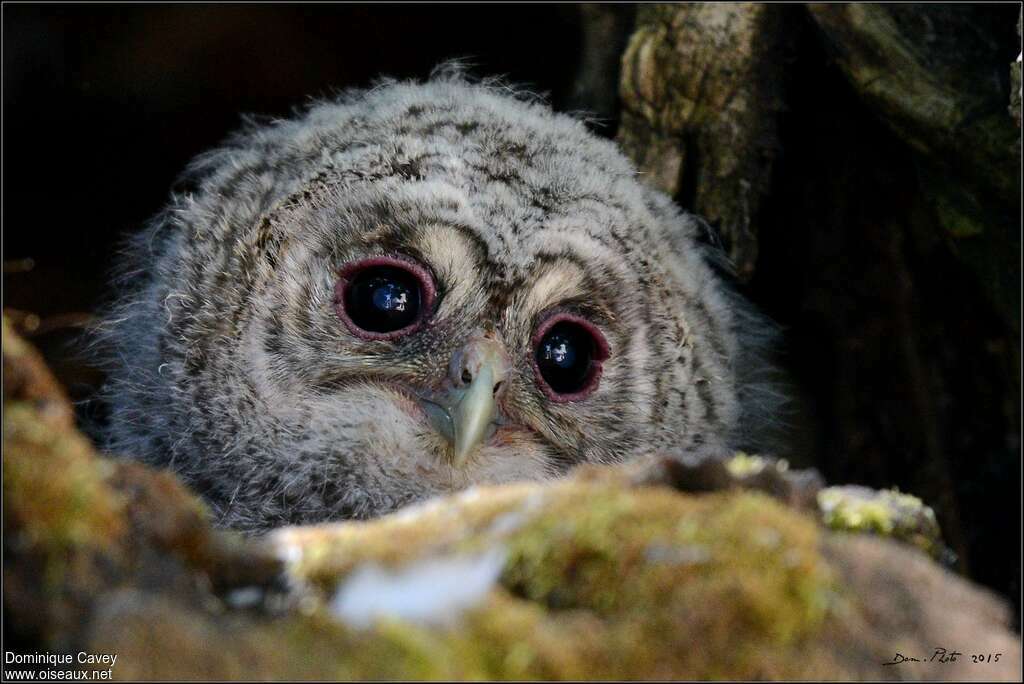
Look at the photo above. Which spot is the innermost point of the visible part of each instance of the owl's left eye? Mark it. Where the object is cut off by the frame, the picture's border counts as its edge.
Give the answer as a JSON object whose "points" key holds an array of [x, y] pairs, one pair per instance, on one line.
{"points": [[383, 298], [567, 357]]}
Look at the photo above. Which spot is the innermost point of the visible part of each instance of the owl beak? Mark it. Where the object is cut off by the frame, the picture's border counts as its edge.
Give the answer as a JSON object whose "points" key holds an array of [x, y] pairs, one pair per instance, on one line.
{"points": [[472, 417], [477, 375]]}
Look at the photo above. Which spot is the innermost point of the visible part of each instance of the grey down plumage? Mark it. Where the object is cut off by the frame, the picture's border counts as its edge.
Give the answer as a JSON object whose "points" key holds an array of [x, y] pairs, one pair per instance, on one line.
{"points": [[230, 364]]}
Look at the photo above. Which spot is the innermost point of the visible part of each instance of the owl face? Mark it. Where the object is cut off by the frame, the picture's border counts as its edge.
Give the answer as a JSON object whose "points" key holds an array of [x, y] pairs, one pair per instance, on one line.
{"points": [[409, 291]]}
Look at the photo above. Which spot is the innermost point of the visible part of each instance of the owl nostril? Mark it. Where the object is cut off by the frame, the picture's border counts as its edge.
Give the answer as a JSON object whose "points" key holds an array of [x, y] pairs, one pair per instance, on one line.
{"points": [[497, 387], [467, 377]]}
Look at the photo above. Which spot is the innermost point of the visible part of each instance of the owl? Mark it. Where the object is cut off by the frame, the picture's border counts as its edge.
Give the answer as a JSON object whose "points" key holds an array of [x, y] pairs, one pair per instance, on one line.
{"points": [[408, 290]]}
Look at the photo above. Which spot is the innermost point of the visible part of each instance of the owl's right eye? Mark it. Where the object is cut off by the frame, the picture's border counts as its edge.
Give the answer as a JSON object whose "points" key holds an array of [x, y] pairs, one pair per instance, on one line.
{"points": [[383, 298]]}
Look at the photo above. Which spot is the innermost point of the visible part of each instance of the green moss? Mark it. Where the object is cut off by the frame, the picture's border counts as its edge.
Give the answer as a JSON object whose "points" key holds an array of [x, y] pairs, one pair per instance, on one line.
{"points": [[889, 513], [55, 494], [743, 464], [738, 574]]}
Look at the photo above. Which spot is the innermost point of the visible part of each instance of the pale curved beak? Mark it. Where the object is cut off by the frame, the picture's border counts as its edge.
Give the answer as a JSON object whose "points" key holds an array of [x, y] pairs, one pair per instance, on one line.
{"points": [[472, 417], [465, 414]]}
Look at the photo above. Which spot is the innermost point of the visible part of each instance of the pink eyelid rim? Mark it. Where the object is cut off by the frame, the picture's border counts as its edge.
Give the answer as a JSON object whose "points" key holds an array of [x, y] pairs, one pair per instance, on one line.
{"points": [[596, 366], [428, 293]]}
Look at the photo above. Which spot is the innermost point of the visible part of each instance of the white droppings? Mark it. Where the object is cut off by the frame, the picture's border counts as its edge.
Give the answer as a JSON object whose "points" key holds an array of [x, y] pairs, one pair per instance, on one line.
{"points": [[286, 547], [432, 591]]}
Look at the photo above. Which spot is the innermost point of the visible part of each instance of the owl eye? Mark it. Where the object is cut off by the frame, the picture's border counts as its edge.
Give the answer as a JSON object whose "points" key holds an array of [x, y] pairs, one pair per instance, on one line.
{"points": [[568, 352], [384, 297]]}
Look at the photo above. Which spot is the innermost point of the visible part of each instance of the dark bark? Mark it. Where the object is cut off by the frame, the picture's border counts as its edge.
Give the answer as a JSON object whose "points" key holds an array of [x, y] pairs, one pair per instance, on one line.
{"points": [[932, 74], [701, 89], [595, 90]]}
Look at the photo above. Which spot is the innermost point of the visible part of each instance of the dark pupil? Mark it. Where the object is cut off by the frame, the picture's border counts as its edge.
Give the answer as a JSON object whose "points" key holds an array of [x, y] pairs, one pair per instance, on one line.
{"points": [[564, 357], [383, 299]]}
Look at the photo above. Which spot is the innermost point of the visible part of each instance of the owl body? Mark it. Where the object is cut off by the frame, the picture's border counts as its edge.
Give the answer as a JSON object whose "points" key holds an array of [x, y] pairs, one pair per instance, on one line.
{"points": [[238, 357]]}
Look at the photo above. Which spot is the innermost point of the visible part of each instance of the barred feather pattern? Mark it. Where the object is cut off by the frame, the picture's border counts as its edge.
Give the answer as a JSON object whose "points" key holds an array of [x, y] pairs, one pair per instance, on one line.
{"points": [[228, 363]]}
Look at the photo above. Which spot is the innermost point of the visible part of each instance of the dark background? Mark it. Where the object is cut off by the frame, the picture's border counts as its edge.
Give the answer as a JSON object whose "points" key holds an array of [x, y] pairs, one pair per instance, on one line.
{"points": [[903, 375]]}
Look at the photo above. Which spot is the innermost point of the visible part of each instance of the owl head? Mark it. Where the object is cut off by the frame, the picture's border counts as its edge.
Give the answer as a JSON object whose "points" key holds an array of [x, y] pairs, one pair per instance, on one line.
{"points": [[412, 289]]}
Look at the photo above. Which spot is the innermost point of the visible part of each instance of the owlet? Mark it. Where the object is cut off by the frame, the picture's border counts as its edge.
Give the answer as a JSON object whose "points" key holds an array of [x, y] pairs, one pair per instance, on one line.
{"points": [[415, 288]]}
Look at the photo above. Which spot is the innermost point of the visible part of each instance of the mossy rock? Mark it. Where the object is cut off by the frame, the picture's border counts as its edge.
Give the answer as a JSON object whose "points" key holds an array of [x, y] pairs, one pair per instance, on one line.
{"points": [[625, 567], [599, 580]]}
